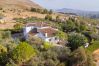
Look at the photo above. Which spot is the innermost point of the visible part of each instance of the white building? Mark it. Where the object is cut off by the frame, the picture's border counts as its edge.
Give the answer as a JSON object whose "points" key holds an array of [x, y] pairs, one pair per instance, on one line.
{"points": [[41, 30]]}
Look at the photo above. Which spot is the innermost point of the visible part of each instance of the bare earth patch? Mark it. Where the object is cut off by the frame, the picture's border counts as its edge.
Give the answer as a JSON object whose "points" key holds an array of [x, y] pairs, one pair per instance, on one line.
{"points": [[96, 57], [9, 16], [7, 25]]}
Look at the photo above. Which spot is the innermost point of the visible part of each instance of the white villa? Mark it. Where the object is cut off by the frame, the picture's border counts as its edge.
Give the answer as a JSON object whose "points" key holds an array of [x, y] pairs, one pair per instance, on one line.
{"points": [[41, 30]]}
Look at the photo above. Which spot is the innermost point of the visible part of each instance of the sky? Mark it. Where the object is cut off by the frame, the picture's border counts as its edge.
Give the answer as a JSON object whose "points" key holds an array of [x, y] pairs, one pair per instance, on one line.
{"points": [[89, 5]]}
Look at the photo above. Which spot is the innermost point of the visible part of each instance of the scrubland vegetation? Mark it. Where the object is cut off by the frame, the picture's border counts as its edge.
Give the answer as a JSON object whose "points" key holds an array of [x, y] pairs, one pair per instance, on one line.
{"points": [[75, 32], [36, 52]]}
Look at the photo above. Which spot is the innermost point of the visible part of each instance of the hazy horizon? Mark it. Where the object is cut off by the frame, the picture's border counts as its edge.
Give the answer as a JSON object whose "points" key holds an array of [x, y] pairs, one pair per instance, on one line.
{"points": [[72, 4]]}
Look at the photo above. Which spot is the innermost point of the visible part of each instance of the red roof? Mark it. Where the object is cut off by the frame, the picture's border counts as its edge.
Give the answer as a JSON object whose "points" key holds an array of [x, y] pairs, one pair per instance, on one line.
{"points": [[50, 31]]}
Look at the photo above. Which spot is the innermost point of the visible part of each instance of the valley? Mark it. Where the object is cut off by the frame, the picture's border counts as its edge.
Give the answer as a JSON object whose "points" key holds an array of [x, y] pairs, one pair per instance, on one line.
{"points": [[31, 35]]}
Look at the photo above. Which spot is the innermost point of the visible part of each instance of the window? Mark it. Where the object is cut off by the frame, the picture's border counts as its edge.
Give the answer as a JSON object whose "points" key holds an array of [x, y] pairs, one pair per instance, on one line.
{"points": [[49, 39], [55, 38]]}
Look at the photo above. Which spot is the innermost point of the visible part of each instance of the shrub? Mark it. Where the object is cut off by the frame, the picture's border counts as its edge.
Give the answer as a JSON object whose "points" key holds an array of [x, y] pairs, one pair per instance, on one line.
{"points": [[48, 17], [94, 46], [61, 35], [39, 10], [1, 15], [76, 40], [69, 26], [11, 63], [18, 26], [33, 9], [50, 62], [50, 12], [7, 41], [47, 45], [6, 34], [2, 49], [62, 53], [3, 55], [57, 18], [79, 57], [0, 8], [23, 52], [35, 40], [45, 11]]}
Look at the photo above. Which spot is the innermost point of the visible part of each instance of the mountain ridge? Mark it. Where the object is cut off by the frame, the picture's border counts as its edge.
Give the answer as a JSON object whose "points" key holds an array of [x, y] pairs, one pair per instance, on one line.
{"points": [[90, 14]]}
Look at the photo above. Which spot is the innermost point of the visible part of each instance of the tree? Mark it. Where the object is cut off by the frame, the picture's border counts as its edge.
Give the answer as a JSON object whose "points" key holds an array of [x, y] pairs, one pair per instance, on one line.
{"points": [[18, 26], [7, 41], [35, 40], [62, 52], [1, 8], [83, 27], [2, 49], [57, 18], [50, 12], [61, 35], [69, 26], [39, 10], [50, 62], [56, 54], [48, 17], [33, 9], [1, 15], [47, 45], [79, 57], [45, 11], [23, 52], [11, 63], [3, 55], [76, 40], [90, 60], [6, 34]]}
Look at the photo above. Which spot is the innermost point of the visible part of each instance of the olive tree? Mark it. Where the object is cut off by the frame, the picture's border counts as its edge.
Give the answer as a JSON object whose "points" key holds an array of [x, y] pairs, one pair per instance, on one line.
{"points": [[76, 40], [23, 52]]}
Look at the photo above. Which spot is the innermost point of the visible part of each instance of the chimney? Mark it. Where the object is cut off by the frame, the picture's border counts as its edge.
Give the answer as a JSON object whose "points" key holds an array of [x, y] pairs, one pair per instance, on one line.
{"points": [[46, 35], [41, 24]]}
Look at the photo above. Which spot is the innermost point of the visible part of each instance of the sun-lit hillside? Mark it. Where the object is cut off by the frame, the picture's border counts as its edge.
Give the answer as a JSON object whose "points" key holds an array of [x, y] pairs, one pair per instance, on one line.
{"points": [[32, 35], [23, 4]]}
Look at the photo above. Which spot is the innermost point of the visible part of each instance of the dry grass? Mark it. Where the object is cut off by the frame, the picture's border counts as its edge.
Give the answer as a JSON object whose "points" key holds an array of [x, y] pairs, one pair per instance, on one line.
{"points": [[96, 55], [23, 4], [17, 9]]}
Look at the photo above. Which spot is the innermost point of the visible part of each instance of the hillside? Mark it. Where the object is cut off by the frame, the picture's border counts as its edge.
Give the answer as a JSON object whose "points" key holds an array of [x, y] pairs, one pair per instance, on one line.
{"points": [[11, 9], [90, 14], [23, 4], [18, 9], [31, 35]]}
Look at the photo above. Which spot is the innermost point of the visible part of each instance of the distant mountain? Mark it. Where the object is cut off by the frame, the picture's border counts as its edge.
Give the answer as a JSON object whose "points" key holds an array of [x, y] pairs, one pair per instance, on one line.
{"points": [[90, 14], [23, 4]]}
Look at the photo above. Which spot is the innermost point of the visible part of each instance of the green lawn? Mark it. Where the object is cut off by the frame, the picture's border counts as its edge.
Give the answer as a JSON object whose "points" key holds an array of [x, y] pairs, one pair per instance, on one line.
{"points": [[93, 47]]}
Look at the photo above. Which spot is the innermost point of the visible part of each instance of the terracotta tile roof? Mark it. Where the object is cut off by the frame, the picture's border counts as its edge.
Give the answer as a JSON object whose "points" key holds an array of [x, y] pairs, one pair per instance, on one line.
{"points": [[50, 31], [38, 24]]}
